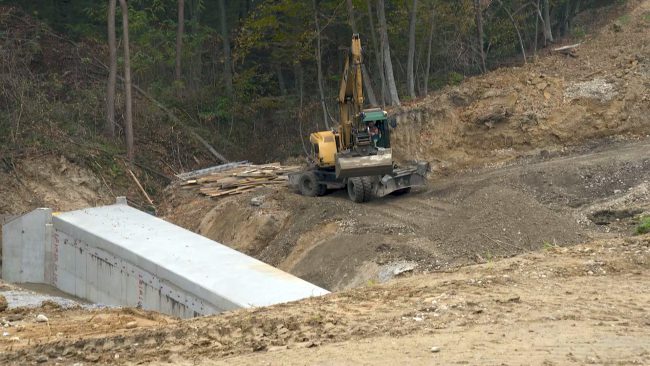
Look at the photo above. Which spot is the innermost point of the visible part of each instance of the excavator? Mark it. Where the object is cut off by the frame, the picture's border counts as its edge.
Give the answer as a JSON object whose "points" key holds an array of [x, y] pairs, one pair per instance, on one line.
{"points": [[357, 155]]}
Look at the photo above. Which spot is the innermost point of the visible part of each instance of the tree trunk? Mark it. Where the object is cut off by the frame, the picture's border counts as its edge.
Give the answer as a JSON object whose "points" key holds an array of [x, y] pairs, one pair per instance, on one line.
{"points": [[548, 33], [367, 84], [112, 73], [378, 54], [319, 62], [536, 28], [385, 46], [478, 13], [298, 78], [281, 83], [179, 38], [128, 124], [410, 77], [227, 64], [428, 68]]}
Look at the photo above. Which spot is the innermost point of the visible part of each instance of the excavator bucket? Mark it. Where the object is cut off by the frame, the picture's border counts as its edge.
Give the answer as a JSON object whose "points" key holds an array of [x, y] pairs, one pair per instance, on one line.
{"points": [[362, 166]]}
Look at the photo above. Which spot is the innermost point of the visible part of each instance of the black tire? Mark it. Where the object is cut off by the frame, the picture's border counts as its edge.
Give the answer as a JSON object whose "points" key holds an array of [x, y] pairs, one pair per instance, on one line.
{"points": [[322, 189], [400, 192], [359, 189], [367, 188], [308, 184]]}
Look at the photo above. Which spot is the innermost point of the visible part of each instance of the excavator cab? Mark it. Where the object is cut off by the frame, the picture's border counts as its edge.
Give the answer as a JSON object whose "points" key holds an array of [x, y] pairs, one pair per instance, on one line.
{"points": [[378, 118]]}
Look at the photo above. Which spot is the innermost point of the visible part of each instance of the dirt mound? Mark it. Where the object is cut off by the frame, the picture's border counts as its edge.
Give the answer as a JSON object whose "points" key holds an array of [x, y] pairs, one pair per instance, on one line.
{"points": [[552, 102], [49, 181], [504, 221]]}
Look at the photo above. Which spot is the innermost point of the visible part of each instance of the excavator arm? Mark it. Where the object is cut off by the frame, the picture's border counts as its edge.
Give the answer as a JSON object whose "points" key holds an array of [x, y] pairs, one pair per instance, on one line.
{"points": [[350, 98]]}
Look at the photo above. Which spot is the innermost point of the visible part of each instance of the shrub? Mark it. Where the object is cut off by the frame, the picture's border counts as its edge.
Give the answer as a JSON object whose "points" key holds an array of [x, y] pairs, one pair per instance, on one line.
{"points": [[644, 225]]}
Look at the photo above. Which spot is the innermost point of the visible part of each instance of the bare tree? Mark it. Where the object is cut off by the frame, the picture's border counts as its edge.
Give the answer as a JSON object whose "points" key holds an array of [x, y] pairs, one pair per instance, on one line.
{"points": [[319, 65], [428, 68], [367, 84], [548, 33], [378, 53], [410, 77], [128, 124], [385, 46], [227, 67], [478, 14], [112, 73], [179, 38]]}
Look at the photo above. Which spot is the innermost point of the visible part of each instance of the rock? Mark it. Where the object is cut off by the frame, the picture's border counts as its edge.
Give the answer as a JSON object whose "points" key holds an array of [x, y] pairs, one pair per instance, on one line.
{"points": [[257, 201], [91, 357], [41, 359], [40, 318], [276, 348], [15, 317], [435, 349], [131, 325], [3, 303]]}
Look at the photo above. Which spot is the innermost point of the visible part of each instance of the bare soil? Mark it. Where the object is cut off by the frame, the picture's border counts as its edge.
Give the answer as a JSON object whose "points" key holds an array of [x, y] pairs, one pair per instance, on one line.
{"points": [[550, 153], [584, 304], [467, 217], [551, 102], [519, 251]]}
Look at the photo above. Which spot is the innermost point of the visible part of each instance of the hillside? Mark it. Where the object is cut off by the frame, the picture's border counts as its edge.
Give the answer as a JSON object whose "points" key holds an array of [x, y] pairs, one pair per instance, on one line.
{"points": [[524, 247]]}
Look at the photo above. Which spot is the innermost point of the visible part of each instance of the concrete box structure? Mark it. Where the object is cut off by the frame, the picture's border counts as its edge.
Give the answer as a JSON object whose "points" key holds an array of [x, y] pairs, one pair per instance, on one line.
{"points": [[117, 255]]}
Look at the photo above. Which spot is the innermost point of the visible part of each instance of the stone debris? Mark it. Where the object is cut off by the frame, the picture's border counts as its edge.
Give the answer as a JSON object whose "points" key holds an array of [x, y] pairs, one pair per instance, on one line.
{"points": [[598, 89]]}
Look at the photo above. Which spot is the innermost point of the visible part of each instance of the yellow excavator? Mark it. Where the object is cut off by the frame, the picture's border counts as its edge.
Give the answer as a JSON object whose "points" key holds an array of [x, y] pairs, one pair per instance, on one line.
{"points": [[358, 154]]}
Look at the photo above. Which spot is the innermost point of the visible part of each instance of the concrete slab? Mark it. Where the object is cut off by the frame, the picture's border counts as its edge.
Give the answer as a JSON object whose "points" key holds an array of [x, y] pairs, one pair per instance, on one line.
{"points": [[117, 255]]}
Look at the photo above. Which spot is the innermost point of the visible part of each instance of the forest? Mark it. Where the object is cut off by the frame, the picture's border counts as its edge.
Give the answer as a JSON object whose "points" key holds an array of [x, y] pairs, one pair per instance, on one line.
{"points": [[247, 79]]}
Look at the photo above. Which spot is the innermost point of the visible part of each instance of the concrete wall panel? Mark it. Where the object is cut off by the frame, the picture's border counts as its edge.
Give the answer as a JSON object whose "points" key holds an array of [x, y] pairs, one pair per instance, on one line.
{"points": [[117, 255]]}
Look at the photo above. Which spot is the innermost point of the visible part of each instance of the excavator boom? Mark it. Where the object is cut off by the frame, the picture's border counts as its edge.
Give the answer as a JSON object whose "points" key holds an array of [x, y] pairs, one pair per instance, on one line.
{"points": [[357, 156]]}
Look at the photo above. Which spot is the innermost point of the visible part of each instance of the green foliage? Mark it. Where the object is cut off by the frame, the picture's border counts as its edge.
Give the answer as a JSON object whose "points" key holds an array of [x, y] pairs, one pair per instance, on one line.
{"points": [[273, 44], [623, 20], [644, 225], [547, 245], [454, 78], [646, 16]]}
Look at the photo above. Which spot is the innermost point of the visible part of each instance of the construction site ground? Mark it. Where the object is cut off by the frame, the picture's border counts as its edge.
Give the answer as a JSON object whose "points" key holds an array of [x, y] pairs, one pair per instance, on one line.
{"points": [[521, 249]]}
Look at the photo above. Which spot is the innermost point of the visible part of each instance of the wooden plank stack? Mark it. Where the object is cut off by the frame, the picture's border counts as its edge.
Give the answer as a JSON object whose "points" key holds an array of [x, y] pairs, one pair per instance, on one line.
{"points": [[240, 179]]}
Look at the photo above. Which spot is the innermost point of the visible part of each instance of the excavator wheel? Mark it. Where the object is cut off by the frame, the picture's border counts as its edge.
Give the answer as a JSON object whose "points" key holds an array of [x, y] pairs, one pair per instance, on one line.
{"points": [[360, 189], [309, 185]]}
